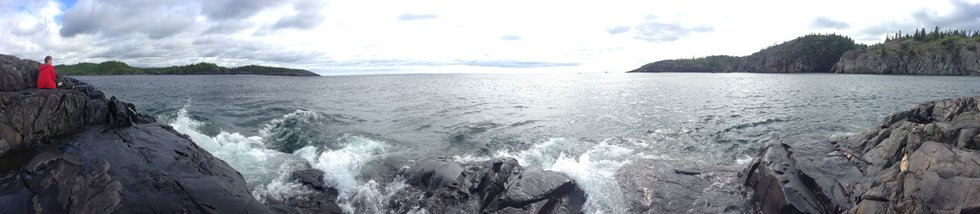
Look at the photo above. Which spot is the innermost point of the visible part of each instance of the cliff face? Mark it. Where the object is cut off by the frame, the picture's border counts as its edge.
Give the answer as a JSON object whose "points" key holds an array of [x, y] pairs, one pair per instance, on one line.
{"points": [[939, 57], [73, 150], [807, 54]]}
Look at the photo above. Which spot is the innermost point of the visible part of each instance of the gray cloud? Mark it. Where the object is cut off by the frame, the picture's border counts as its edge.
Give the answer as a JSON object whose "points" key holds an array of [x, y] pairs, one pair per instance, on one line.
{"points": [[228, 27], [618, 30], [653, 30], [308, 15], [510, 37], [413, 17], [235, 9], [154, 19], [827, 23], [18, 25], [965, 16], [159, 19]]}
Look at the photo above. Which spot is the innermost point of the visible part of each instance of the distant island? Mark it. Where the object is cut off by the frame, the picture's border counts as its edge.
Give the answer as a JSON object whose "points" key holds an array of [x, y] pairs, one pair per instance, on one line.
{"points": [[120, 68], [950, 52]]}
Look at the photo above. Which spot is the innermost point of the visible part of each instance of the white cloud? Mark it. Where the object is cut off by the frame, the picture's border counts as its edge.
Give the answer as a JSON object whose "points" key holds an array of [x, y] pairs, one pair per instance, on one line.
{"points": [[444, 35]]}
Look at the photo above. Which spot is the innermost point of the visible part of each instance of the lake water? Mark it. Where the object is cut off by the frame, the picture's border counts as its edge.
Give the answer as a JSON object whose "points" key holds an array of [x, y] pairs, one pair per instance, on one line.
{"points": [[361, 129]]}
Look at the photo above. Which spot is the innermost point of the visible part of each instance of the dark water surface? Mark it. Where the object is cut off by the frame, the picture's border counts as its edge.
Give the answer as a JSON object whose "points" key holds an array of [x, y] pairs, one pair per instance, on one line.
{"points": [[358, 128]]}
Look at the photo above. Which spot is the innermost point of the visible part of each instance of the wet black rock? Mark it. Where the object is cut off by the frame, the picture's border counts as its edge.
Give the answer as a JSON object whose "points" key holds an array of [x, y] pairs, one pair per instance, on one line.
{"points": [[144, 168], [667, 186], [494, 186], [802, 177], [923, 160], [17, 74], [322, 199], [72, 151]]}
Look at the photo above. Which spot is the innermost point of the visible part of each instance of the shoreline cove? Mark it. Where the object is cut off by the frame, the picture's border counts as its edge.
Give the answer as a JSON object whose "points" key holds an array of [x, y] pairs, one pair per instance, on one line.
{"points": [[77, 151]]}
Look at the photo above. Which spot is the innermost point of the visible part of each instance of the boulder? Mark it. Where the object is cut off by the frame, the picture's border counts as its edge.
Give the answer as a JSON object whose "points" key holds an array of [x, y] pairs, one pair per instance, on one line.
{"points": [[151, 169], [670, 186], [34, 114], [494, 186], [17, 74], [922, 160], [323, 199], [803, 177]]}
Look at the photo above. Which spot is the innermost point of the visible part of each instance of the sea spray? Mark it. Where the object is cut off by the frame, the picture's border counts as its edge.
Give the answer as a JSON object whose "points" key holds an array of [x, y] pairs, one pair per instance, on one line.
{"points": [[267, 171], [592, 165], [292, 131], [247, 155], [280, 189]]}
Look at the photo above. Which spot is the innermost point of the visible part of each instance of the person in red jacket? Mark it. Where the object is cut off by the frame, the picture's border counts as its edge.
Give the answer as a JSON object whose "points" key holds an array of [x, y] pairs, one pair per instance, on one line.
{"points": [[46, 77]]}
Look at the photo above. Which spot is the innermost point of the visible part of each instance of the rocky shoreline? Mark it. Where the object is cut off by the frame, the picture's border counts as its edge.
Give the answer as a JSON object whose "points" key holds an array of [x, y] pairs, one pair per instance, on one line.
{"points": [[74, 151], [946, 54]]}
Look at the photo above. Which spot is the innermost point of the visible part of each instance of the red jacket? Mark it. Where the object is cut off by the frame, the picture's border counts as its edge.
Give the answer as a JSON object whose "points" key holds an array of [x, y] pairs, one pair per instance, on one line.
{"points": [[46, 77]]}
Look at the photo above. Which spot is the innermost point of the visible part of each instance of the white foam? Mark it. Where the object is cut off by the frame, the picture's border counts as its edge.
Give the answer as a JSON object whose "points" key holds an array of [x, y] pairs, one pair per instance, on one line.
{"points": [[301, 116], [592, 166], [343, 165], [279, 189], [469, 159], [342, 169], [247, 155], [744, 160], [267, 170]]}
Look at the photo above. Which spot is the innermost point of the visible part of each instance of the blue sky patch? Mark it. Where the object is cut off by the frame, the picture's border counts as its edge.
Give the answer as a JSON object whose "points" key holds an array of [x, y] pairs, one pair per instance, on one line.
{"points": [[65, 5]]}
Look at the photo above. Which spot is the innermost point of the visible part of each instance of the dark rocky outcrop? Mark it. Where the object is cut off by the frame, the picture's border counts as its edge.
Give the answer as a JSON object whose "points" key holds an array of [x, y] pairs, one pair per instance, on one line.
{"points": [[323, 199], [143, 168], [923, 160], [73, 151], [908, 56], [804, 177], [665, 186], [493, 186]]}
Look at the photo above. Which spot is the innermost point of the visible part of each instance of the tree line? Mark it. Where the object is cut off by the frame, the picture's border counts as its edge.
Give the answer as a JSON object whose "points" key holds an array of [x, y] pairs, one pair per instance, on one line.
{"points": [[924, 35]]}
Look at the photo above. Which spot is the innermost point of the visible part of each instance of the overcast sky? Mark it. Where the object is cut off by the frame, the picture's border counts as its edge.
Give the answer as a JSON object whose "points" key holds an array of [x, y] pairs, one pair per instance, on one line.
{"points": [[404, 36]]}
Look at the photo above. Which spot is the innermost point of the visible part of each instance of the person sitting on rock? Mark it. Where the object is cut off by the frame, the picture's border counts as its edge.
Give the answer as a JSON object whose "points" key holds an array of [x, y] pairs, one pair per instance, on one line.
{"points": [[46, 77]]}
